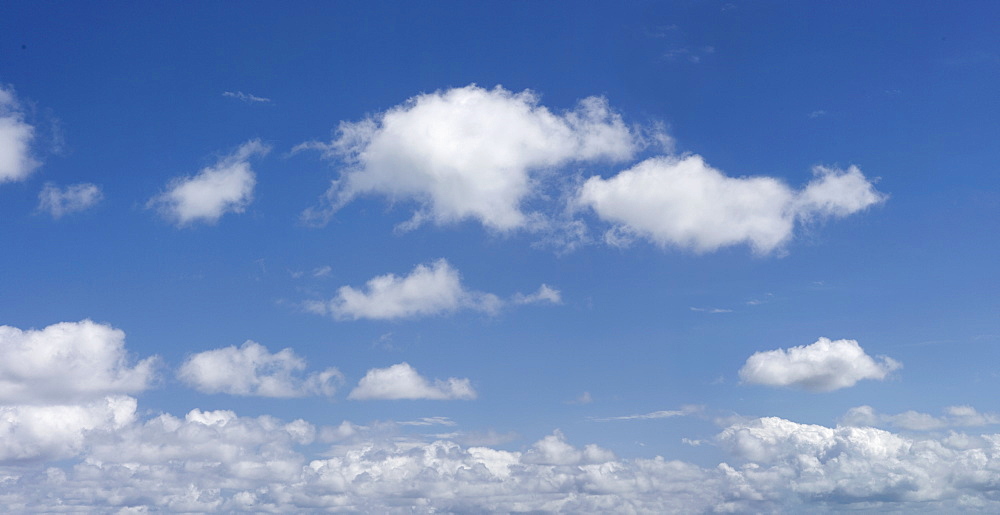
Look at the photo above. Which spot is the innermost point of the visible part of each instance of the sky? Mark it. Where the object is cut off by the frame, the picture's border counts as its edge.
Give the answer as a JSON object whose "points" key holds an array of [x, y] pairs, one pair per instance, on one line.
{"points": [[414, 257]]}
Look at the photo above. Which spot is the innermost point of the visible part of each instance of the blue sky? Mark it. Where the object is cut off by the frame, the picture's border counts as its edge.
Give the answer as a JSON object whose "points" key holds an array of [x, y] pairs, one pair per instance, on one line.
{"points": [[696, 257]]}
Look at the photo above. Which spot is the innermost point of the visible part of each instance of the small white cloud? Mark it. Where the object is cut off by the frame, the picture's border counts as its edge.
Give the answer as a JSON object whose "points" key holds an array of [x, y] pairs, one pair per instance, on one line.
{"points": [[226, 187], [584, 398], [468, 153], [712, 310], [545, 293], [68, 362], [817, 113], [245, 97], [252, 370], [401, 381], [61, 201], [684, 411], [553, 450], [683, 202], [16, 163], [820, 367], [427, 290]]}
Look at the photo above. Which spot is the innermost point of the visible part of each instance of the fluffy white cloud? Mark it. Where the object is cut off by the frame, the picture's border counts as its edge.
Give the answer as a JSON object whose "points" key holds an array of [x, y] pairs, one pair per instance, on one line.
{"points": [[252, 370], [30, 433], [66, 363], [468, 153], [226, 187], [401, 381], [428, 290], [955, 416], [820, 367], [61, 201], [16, 162], [545, 293], [683, 202]]}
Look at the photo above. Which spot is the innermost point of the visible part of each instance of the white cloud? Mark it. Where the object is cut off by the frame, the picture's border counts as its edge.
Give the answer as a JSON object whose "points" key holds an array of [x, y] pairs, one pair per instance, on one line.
{"points": [[428, 290], [61, 201], [226, 187], [252, 370], [245, 97], [401, 381], [468, 153], [66, 363], [16, 163], [683, 202], [545, 293], [683, 412], [711, 310], [820, 367], [955, 416], [32, 433]]}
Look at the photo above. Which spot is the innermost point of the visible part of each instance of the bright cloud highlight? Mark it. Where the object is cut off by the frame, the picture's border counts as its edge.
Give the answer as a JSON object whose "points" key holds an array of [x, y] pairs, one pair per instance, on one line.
{"points": [[468, 153], [401, 381], [226, 187], [58, 201], [683, 202], [820, 367], [252, 370], [16, 163]]}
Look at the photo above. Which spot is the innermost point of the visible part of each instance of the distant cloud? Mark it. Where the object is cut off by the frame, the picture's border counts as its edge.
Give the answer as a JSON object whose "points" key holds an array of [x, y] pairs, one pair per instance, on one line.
{"points": [[246, 97], [545, 293], [683, 202], [68, 362], [684, 411], [401, 381], [583, 398], [955, 416], [226, 187], [468, 153], [817, 113], [252, 370], [58, 201], [712, 310], [820, 367], [553, 450], [429, 421], [16, 135]]}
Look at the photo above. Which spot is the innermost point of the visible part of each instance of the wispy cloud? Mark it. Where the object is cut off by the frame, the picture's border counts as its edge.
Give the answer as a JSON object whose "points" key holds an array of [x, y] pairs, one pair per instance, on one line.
{"points": [[246, 97], [711, 310], [684, 411]]}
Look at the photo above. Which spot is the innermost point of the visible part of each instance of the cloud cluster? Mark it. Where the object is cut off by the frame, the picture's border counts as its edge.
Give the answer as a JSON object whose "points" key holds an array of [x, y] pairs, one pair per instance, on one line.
{"points": [[226, 187], [401, 381], [58, 201], [252, 370], [16, 163], [428, 290], [820, 367], [684, 202], [469, 153], [218, 461], [955, 416]]}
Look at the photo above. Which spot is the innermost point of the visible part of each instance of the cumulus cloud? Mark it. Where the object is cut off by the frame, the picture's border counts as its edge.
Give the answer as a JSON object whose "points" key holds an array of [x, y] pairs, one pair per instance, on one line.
{"points": [[428, 290], [545, 293], [226, 187], [252, 370], [820, 367], [16, 163], [955, 416], [68, 362], [401, 381], [32, 433], [684, 202], [468, 153], [58, 201]]}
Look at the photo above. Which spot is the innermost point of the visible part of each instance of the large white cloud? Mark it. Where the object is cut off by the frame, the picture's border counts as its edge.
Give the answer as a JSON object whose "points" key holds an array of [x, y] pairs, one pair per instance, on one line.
{"points": [[401, 381], [58, 201], [66, 363], [16, 135], [252, 370], [226, 187], [820, 367], [31, 433], [468, 153], [428, 290], [684, 202]]}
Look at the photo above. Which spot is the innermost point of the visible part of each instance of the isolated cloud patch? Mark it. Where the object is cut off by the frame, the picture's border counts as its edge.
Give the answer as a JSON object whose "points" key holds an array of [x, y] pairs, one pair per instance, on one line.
{"points": [[226, 187], [820, 367], [66, 363], [16, 163], [428, 290], [58, 201], [401, 381], [683, 202], [252, 370], [468, 153]]}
